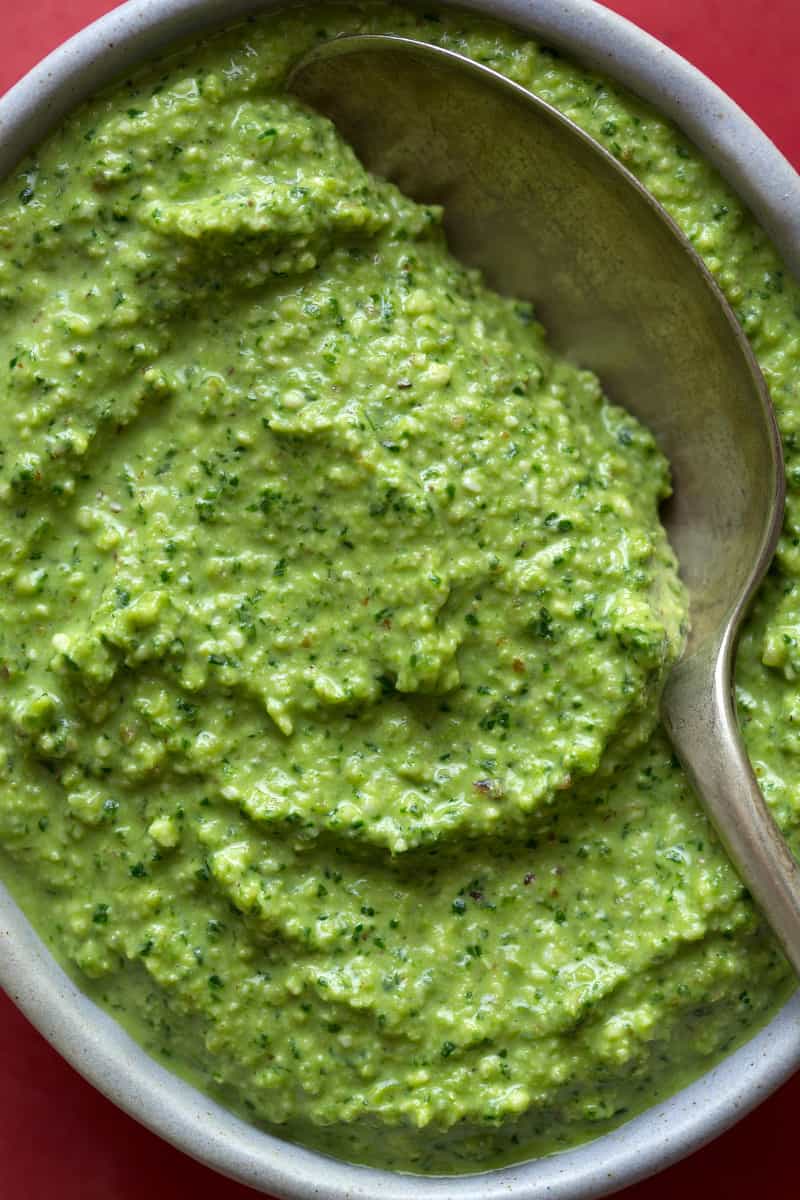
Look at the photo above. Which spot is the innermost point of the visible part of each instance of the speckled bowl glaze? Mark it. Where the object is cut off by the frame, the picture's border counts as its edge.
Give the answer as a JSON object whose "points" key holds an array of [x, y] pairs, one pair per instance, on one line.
{"points": [[91, 1040]]}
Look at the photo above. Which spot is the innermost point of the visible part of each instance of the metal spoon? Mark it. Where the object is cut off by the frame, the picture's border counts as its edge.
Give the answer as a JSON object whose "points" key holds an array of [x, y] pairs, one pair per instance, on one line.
{"points": [[550, 216]]}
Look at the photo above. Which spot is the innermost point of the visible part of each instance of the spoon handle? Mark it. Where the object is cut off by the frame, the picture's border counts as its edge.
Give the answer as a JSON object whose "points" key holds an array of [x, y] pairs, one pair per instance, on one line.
{"points": [[699, 713]]}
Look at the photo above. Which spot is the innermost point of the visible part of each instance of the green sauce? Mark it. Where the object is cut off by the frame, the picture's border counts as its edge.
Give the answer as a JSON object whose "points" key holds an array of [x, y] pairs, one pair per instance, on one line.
{"points": [[335, 610]]}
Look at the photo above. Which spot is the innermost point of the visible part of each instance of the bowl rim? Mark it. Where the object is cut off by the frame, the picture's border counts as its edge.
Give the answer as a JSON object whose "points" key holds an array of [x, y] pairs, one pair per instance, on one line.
{"points": [[89, 1038]]}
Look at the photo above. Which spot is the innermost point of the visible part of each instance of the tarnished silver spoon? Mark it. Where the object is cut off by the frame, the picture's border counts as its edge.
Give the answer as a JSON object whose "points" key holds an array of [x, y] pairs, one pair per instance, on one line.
{"points": [[550, 216]]}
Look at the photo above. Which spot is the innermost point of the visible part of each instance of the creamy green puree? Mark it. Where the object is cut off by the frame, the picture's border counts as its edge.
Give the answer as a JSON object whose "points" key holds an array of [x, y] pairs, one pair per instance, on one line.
{"points": [[335, 612]]}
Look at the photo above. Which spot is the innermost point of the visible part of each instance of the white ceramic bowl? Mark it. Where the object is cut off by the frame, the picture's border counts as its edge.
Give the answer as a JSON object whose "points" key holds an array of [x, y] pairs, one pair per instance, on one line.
{"points": [[91, 1040]]}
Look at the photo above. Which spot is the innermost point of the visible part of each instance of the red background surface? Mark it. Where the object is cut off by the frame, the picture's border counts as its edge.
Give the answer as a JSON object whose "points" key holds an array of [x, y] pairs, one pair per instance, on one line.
{"points": [[60, 1138]]}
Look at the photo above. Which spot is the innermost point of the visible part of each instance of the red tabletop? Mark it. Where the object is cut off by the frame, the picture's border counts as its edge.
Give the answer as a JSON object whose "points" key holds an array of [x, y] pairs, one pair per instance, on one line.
{"points": [[58, 1137]]}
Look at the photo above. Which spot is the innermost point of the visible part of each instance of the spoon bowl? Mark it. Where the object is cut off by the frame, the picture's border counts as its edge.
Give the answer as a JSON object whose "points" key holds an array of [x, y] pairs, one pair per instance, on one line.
{"points": [[548, 215]]}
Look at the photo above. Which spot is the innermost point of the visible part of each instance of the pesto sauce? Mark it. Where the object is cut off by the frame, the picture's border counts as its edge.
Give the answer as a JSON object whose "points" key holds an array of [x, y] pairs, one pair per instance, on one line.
{"points": [[335, 612]]}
